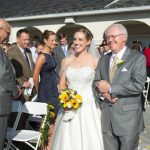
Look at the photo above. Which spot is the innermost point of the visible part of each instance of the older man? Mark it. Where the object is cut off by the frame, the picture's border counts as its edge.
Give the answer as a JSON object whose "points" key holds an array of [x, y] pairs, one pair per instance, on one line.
{"points": [[8, 88], [119, 79]]}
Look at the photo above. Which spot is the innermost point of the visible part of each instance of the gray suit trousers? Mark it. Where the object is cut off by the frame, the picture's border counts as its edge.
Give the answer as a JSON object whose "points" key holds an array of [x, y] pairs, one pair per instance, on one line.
{"points": [[114, 142], [3, 125]]}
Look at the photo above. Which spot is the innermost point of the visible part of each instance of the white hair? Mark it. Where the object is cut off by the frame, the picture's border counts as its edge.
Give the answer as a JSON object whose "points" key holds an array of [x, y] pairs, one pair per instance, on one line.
{"points": [[121, 28]]}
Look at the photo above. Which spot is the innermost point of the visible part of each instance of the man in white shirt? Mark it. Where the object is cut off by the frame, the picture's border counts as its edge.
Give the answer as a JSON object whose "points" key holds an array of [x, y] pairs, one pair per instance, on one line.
{"points": [[21, 58], [61, 51]]}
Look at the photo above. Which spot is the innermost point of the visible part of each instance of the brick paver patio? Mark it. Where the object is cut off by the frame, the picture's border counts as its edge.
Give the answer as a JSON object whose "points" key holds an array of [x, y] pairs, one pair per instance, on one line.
{"points": [[145, 136]]}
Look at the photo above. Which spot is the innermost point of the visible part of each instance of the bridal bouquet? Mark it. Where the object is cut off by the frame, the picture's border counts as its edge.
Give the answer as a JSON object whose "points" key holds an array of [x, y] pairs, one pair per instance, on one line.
{"points": [[70, 99]]}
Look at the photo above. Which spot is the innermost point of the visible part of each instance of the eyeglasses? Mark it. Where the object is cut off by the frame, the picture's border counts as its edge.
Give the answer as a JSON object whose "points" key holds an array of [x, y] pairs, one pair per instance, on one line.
{"points": [[112, 36], [5, 30]]}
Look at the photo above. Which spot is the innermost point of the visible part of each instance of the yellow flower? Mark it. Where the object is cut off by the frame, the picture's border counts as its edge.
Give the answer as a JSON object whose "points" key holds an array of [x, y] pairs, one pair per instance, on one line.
{"points": [[72, 96], [72, 91], [78, 96], [79, 100], [51, 106], [64, 97], [52, 114], [69, 105], [65, 105], [70, 99], [76, 105]]}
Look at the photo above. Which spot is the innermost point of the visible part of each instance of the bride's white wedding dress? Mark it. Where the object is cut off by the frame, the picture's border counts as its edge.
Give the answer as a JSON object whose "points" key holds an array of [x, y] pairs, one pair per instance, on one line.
{"points": [[83, 130]]}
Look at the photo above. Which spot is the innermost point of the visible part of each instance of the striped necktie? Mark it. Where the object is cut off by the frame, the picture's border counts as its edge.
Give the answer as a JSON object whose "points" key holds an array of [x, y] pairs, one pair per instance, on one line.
{"points": [[113, 68]]}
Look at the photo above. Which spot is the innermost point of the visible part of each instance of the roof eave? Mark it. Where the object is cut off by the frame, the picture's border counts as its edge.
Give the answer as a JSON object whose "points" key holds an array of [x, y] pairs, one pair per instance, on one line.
{"points": [[82, 13]]}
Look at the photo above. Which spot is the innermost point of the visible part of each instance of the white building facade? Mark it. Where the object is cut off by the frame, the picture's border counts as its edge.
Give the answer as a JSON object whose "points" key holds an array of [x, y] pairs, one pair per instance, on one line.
{"points": [[136, 20]]}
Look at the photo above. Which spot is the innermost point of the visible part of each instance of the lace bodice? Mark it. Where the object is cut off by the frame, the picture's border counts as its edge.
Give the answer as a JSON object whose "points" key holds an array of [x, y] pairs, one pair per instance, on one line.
{"points": [[80, 76], [81, 79]]}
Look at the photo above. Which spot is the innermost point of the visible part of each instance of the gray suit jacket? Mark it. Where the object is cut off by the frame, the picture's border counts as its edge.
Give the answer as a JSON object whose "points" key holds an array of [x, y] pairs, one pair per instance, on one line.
{"points": [[125, 115], [8, 87], [59, 56]]}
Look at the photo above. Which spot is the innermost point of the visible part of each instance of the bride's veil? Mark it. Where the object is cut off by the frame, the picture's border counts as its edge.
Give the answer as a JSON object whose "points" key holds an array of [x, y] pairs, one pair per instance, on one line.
{"points": [[93, 49]]}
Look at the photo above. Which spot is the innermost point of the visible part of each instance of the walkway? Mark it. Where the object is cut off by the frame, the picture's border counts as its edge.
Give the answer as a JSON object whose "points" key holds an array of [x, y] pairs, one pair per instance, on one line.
{"points": [[145, 136]]}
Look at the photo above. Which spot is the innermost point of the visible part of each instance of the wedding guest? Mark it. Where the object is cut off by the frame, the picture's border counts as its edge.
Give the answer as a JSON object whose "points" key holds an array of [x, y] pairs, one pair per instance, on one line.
{"points": [[136, 47], [147, 55], [121, 84], [8, 87], [106, 47], [101, 49], [46, 86], [38, 47], [61, 51], [21, 58]]}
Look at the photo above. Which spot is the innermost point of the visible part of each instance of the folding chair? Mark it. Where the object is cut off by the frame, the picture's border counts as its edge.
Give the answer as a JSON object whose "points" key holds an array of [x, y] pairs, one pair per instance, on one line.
{"points": [[145, 91], [15, 108], [34, 99], [33, 118], [30, 137]]}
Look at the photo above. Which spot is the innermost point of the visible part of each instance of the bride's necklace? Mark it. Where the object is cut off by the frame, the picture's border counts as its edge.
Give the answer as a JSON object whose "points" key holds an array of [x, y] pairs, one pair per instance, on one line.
{"points": [[79, 61]]}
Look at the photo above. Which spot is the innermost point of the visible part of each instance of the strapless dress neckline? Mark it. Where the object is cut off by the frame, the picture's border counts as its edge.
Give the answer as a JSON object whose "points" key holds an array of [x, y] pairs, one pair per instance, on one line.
{"points": [[80, 68]]}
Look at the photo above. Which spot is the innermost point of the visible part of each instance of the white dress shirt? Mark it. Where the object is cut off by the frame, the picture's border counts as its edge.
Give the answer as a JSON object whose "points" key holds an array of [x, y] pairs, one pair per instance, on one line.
{"points": [[119, 55], [30, 63], [65, 49]]}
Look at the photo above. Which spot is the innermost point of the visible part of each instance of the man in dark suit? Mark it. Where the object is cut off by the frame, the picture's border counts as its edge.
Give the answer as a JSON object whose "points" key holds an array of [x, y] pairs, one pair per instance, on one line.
{"points": [[21, 58], [8, 87], [61, 51], [120, 79]]}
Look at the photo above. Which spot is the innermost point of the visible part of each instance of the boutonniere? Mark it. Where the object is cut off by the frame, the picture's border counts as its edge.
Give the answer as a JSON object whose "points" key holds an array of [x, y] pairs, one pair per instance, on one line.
{"points": [[120, 63]]}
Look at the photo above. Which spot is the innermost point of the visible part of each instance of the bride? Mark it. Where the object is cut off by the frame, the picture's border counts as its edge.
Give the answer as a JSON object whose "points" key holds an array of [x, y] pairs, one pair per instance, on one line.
{"points": [[82, 129]]}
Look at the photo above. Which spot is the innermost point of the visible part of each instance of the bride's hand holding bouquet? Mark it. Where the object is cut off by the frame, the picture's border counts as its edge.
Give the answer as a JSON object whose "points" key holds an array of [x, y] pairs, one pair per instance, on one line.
{"points": [[70, 100]]}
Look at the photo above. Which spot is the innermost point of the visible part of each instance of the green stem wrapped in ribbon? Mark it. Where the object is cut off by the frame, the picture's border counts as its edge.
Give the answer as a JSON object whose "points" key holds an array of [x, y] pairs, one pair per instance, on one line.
{"points": [[46, 126]]}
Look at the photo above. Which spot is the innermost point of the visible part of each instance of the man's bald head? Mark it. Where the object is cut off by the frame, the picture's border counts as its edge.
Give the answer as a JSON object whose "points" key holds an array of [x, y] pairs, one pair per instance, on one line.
{"points": [[5, 29], [5, 25]]}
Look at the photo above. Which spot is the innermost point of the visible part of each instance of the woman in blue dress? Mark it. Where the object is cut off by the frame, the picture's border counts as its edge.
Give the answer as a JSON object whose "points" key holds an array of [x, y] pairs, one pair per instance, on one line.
{"points": [[44, 73]]}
